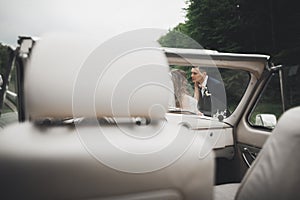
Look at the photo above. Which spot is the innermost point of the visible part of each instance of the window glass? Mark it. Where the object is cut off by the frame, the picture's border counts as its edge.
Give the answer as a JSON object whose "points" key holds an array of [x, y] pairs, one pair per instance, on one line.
{"points": [[236, 83], [6, 54], [291, 83], [10, 102], [233, 85], [269, 106]]}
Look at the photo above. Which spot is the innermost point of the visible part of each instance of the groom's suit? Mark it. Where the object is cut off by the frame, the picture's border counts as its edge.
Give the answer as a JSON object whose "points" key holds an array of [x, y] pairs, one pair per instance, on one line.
{"points": [[213, 98]]}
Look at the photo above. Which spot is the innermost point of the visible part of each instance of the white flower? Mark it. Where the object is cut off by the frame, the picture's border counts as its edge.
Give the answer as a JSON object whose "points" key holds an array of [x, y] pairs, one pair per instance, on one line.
{"points": [[207, 93]]}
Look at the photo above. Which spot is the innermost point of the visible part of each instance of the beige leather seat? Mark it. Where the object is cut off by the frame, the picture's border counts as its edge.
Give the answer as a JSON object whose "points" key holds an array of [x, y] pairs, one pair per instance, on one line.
{"points": [[119, 147], [275, 173]]}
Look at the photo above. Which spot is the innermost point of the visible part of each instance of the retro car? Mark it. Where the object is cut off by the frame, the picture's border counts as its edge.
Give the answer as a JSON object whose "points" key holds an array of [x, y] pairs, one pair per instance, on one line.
{"points": [[94, 121]]}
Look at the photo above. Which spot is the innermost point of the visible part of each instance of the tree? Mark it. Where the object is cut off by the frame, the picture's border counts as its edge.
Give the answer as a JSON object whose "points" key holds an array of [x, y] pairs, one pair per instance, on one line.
{"points": [[213, 23], [177, 39], [5, 52], [258, 26]]}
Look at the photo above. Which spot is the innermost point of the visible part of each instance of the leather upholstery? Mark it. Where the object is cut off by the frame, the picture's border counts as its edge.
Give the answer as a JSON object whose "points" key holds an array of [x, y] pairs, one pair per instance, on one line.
{"points": [[57, 162], [68, 76], [274, 173], [226, 191]]}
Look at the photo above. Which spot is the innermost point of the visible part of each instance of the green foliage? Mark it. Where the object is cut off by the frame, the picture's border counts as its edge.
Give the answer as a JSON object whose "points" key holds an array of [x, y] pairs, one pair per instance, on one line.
{"points": [[5, 62], [258, 26], [177, 39], [4, 58], [213, 24], [235, 83]]}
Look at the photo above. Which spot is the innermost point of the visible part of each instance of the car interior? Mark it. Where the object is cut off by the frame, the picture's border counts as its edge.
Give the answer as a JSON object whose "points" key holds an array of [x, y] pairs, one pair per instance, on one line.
{"points": [[85, 122], [91, 159]]}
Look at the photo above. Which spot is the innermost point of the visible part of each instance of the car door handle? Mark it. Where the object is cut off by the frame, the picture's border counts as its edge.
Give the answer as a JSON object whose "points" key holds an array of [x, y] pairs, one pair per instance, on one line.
{"points": [[252, 155]]}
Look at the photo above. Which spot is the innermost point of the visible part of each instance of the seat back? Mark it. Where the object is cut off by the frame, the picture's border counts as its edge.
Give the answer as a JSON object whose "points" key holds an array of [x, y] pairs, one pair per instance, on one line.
{"points": [[275, 172], [115, 143]]}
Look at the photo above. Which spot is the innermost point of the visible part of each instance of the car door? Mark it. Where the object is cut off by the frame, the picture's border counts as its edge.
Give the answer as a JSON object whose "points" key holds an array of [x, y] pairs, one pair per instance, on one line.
{"points": [[277, 92], [244, 77]]}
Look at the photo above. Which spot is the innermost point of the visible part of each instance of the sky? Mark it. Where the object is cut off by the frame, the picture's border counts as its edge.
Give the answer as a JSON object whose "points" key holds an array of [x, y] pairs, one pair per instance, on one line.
{"points": [[100, 18]]}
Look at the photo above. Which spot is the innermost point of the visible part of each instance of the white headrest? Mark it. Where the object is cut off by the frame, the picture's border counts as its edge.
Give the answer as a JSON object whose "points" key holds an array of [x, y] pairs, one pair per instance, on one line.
{"points": [[69, 75]]}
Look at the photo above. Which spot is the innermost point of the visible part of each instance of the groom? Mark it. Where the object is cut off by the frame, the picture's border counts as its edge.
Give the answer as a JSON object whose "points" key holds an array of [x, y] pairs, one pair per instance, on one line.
{"points": [[209, 92]]}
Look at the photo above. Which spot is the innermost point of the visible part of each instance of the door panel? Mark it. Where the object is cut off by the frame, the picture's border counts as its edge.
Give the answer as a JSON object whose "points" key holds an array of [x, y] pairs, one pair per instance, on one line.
{"points": [[279, 93]]}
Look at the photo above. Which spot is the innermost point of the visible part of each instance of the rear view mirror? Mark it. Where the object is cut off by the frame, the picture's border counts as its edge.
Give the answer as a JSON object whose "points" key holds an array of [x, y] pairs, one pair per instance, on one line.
{"points": [[266, 120]]}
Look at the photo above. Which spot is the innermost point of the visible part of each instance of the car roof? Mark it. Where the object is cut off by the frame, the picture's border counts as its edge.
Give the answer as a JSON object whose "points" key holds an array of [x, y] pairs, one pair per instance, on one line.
{"points": [[215, 54], [253, 63]]}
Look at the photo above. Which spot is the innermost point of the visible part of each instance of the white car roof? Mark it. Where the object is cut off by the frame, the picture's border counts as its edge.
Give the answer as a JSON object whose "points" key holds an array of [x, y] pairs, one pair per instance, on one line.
{"points": [[215, 54]]}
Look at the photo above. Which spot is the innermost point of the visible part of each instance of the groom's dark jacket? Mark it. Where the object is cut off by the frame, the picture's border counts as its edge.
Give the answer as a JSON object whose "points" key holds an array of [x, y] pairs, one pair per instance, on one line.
{"points": [[213, 99]]}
